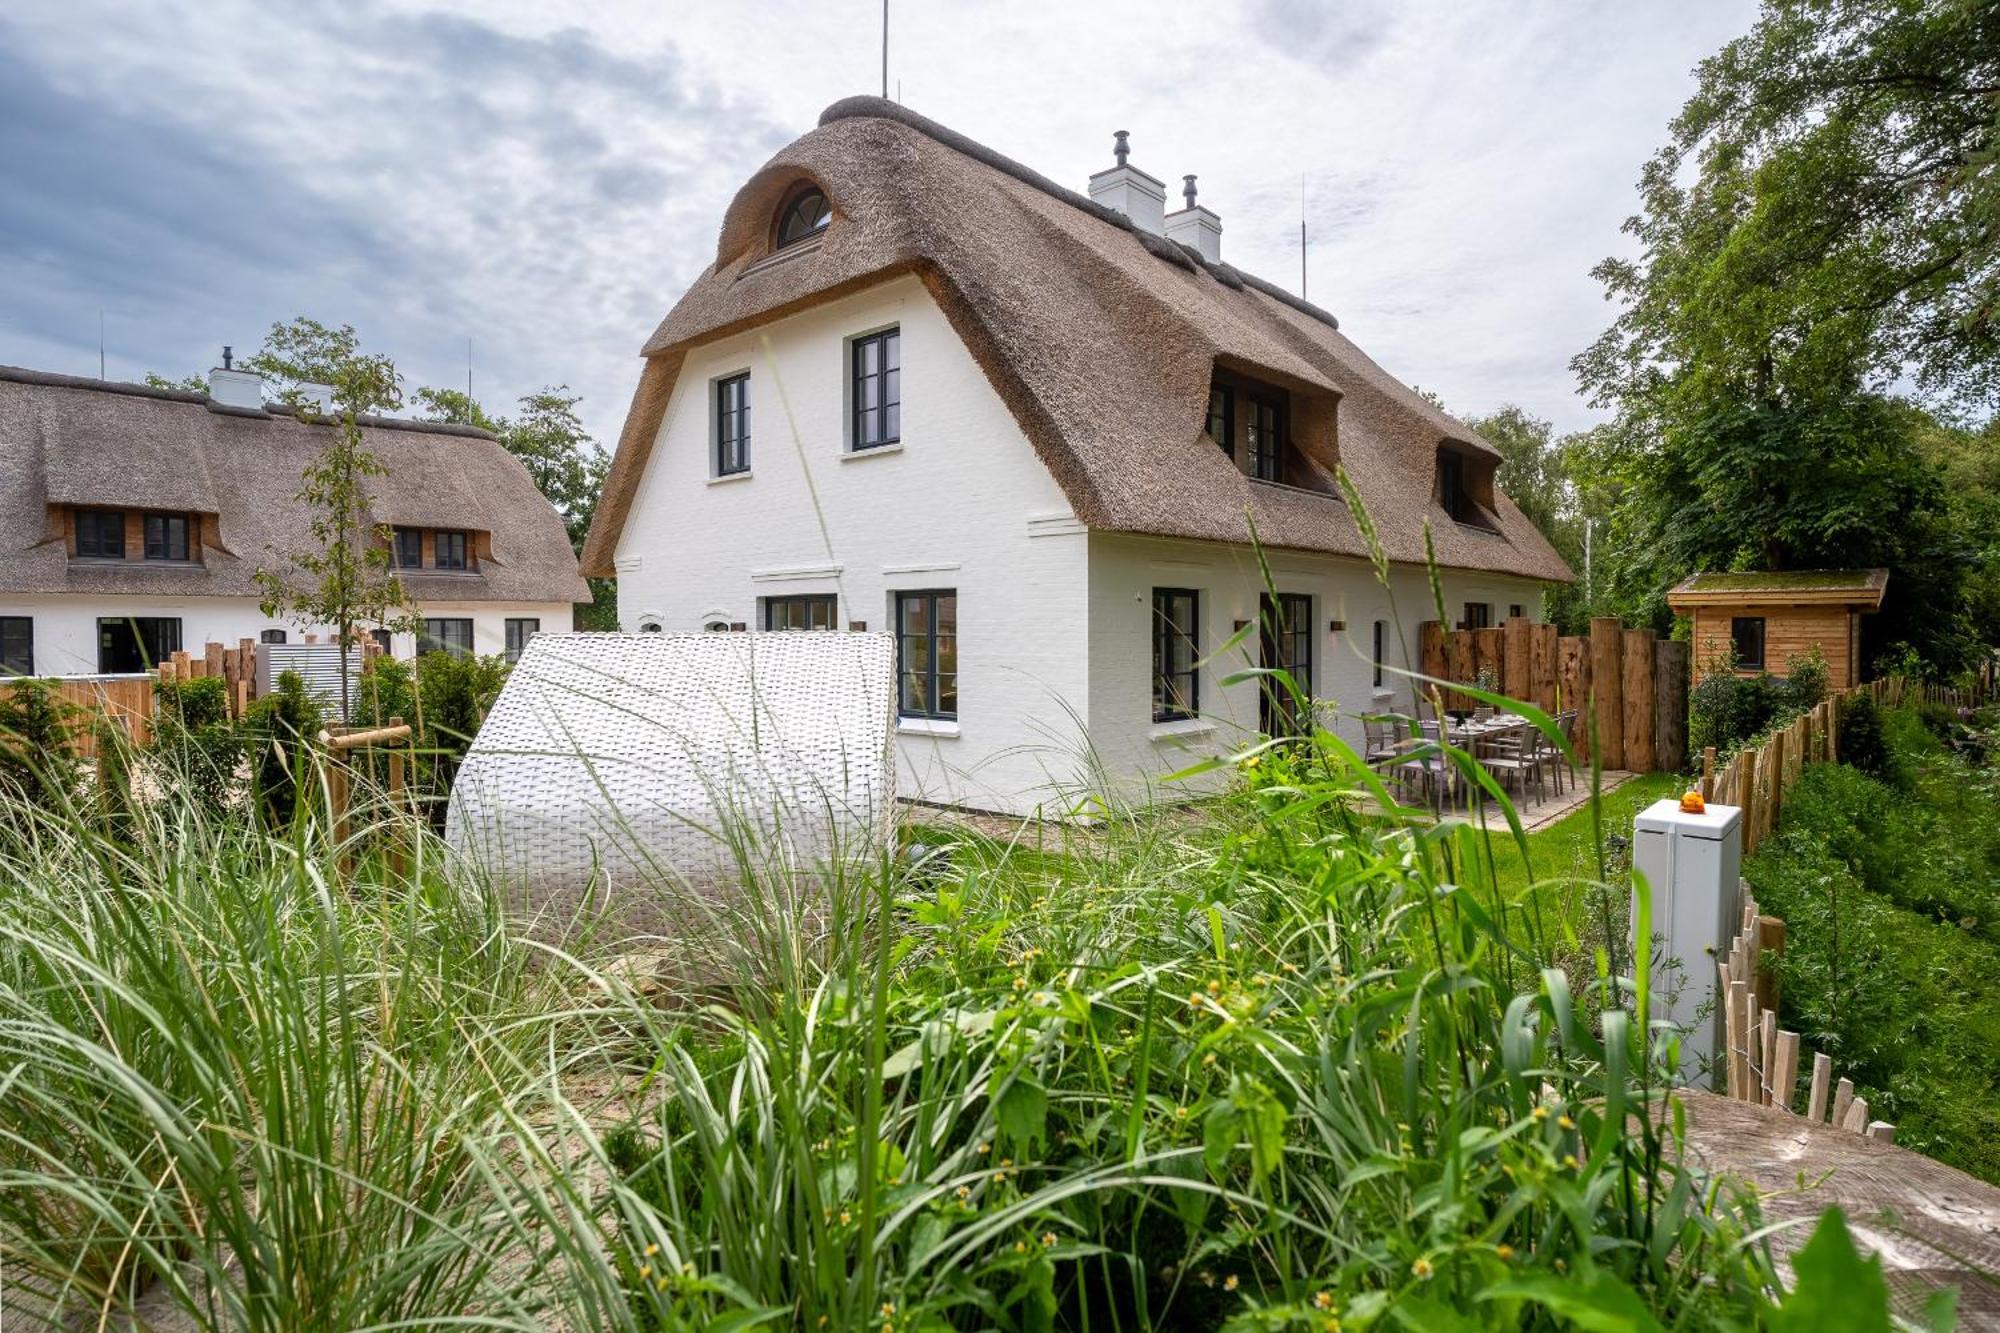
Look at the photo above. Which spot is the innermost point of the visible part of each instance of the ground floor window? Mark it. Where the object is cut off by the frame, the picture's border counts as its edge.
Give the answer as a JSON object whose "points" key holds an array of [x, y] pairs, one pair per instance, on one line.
{"points": [[17, 645], [1381, 648], [927, 653], [128, 644], [520, 629], [444, 634], [1514, 611], [271, 636], [382, 639], [1176, 650], [810, 611], [1746, 635], [1286, 645], [1478, 615]]}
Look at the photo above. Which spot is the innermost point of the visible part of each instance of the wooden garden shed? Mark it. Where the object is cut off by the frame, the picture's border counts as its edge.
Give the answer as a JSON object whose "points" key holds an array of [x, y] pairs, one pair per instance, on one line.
{"points": [[1768, 617]]}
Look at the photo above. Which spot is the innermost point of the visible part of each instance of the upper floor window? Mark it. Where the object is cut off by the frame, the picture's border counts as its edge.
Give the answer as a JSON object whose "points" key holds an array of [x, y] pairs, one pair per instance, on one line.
{"points": [[732, 425], [1451, 486], [1465, 487], [1267, 441], [878, 389], [806, 611], [100, 533], [448, 550], [804, 218], [408, 548], [1222, 417], [166, 537]]}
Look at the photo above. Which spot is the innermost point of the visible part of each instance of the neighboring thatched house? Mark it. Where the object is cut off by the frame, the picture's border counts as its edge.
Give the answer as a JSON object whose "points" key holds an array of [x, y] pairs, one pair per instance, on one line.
{"points": [[1762, 619], [137, 517], [1030, 431]]}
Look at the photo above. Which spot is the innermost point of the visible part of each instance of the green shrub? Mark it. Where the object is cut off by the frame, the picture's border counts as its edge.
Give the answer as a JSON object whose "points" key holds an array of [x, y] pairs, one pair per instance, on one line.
{"points": [[281, 727], [444, 698], [195, 745], [1727, 710], [1862, 743], [36, 730]]}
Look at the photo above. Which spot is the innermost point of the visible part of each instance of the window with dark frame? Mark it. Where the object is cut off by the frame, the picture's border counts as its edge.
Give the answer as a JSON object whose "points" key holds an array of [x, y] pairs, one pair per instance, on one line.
{"points": [[804, 611], [1478, 615], [17, 645], [100, 534], [520, 629], [271, 636], [166, 536], [732, 425], [804, 217], [1381, 648], [446, 634], [448, 550], [878, 389], [1176, 643], [927, 653], [1513, 610], [1286, 644], [1222, 418], [407, 548], [382, 639], [1451, 486], [129, 644], [1746, 635], [1267, 441]]}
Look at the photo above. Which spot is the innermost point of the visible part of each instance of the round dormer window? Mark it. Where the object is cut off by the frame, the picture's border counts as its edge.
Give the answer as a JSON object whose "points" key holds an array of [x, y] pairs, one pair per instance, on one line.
{"points": [[804, 218]]}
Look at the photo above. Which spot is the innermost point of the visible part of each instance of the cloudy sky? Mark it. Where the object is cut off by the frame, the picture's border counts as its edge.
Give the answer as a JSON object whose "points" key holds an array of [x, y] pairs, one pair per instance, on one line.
{"points": [[545, 178]]}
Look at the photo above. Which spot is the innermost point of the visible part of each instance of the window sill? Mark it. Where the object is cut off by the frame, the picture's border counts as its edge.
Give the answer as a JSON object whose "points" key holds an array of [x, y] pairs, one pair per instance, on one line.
{"points": [[728, 477], [926, 726], [872, 451], [1186, 728]]}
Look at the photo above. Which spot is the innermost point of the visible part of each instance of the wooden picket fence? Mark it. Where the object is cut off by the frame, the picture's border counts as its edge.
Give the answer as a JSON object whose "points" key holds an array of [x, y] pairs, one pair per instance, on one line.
{"points": [[1761, 1059], [237, 667], [1634, 684]]}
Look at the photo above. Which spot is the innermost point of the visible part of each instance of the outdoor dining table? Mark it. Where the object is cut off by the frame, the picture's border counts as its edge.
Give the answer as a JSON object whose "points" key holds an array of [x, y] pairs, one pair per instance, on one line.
{"points": [[1470, 732]]}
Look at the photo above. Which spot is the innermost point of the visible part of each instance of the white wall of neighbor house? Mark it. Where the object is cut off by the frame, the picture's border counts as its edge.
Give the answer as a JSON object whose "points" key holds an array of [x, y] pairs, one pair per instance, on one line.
{"points": [[1136, 752], [66, 625], [961, 502]]}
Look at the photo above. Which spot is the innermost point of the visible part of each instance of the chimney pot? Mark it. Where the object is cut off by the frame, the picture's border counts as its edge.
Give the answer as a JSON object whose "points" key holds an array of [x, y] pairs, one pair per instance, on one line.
{"points": [[1119, 147], [1187, 190]]}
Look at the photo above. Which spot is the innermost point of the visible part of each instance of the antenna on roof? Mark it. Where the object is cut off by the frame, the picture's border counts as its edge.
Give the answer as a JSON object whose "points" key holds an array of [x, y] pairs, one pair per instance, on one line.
{"points": [[468, 372], [885, 50], [1302, 235], [100, 344]]}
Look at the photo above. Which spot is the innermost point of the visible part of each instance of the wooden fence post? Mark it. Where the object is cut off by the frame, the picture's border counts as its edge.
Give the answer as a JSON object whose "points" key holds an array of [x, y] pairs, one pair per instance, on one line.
{"points": [[1670, 705], [1746, 796], [1431, 659], [1458, 664], [1708, 773], [1517, 674], [1607, 638], [1544, 666], [1776, 754], [1637, 689], [1574, 687], [1770, 940]]}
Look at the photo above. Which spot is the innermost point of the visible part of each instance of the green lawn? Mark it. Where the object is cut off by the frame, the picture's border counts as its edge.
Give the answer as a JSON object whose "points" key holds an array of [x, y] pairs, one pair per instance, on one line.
{"points": [[1567, 849]]}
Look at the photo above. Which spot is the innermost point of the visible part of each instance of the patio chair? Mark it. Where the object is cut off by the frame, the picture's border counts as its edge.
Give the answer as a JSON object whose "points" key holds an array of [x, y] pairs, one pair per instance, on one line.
{"points": [[1382, 743], [1512, 753]]}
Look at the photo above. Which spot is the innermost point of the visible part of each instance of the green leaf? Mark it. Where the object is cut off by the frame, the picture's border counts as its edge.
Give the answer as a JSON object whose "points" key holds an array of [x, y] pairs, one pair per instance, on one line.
{"points": [[1022, 1110], [1837, 1290], [1597, 1303]]}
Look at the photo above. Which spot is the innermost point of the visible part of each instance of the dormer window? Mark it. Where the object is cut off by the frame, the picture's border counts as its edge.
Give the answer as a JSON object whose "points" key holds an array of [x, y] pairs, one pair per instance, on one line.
{"points": [[1266, 438], [1465, 487], [1222, 417], [804, 218]]}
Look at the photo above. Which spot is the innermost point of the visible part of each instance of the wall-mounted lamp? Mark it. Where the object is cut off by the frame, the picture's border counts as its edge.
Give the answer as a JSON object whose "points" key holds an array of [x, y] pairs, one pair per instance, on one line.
{"points": [[1335, 626]]}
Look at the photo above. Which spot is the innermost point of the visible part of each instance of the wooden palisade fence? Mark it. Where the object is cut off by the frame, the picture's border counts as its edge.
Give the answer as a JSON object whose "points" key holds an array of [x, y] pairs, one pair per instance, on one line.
{"points": [[1762, 1061], [1632, 683]]}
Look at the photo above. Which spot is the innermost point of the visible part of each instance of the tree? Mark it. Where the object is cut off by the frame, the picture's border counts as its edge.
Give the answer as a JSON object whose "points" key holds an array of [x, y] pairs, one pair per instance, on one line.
{"points": [[343, 579], [187, 384], [1819, 230], [567, 466]]}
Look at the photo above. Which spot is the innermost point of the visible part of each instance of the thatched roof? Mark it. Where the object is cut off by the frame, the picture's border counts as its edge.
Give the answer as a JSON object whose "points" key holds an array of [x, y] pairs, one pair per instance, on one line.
{"points": [[1100, 338], [1781, 587], [71, 441]]}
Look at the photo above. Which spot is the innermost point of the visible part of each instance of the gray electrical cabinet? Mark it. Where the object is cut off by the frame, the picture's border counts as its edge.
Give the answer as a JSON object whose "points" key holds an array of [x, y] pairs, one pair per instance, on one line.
{"points": [[1692, 865]]}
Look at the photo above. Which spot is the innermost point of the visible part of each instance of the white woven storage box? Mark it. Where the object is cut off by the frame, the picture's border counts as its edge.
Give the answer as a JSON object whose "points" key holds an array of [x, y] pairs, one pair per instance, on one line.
{"points": [[621, 771]]}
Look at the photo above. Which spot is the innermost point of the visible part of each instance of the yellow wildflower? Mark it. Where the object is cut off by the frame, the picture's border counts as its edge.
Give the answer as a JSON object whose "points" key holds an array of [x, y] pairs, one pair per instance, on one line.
{"points": [[1323, 1300], [1048, 1239], [1423, 1270], [1564, 1122], [1229, 1283], [1504, 1252]]}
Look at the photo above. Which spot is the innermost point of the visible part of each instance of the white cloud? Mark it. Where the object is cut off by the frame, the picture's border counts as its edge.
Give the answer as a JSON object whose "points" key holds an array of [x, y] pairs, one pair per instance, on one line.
{"points": [[546, 179]]}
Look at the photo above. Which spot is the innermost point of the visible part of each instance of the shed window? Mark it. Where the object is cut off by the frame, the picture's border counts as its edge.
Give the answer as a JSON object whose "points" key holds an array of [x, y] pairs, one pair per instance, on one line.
{"points": [[444, 634], [1176, 653], [520, 629], [808, 611], [1222, 418], [1746, 635], [17, 645], [878, 389], [448, 550], [804, 218], [732, 425], [166, 537], [927, 653], [100, 534], [408, 548]]}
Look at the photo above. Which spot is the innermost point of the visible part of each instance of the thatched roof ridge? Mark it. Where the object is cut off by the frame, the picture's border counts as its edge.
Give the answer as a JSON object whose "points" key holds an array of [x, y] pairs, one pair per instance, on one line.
{"points": [[1071, 311], [67, 440]]}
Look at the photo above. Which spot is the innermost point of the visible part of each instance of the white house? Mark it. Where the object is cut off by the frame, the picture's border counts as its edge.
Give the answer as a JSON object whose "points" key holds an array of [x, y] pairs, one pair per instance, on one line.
{"points": [[924, 388], [137, 518]]}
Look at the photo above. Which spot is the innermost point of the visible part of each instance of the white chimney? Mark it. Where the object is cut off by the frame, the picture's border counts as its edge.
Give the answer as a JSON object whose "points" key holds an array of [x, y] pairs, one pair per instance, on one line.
{"points": [[1195, 226], [1131, 191], [234, 390]]}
